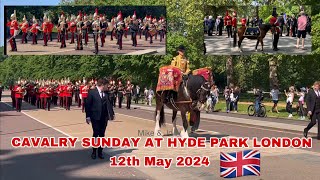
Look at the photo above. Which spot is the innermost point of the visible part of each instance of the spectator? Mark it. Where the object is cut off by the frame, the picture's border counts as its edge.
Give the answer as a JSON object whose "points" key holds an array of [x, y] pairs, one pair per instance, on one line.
{"points": [[258, 99], [146, 95], [275, 98], [290, 97], [301, 96], [221, 25], [302, 24], [294, 26], [136, 94], [217, 25], [227, 98], [210, 26], [150, 96], [235, 98]]}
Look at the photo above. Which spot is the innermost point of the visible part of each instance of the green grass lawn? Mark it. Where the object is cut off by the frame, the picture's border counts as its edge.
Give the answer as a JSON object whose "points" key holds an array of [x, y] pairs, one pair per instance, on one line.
{"points": [[242, 109]]}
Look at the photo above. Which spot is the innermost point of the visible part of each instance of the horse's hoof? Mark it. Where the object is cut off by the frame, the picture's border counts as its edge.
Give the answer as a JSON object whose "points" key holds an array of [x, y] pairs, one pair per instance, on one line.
{"points": [[256, 50], [184, 134], [175, 132]]}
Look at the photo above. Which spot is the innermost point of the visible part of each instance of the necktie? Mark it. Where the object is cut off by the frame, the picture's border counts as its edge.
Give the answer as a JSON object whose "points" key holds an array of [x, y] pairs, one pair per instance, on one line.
{"points": [[101, 94]]}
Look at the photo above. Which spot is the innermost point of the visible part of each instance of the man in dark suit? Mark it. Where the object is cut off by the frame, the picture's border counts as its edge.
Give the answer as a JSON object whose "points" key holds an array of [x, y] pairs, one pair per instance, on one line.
{"points": [[313, 107], [98, 111]]}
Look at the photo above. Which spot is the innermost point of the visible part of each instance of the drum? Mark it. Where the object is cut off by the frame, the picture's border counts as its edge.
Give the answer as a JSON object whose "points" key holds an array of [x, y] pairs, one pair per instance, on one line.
{"points": [[153, 32]]}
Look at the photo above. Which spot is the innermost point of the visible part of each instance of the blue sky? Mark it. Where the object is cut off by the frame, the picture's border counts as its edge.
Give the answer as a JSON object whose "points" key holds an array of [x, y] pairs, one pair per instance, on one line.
{"points": [[20, 3]]}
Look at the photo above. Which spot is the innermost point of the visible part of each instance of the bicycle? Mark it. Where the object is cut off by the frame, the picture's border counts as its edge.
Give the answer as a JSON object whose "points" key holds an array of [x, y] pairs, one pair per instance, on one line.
{"points": [[262, 112]]}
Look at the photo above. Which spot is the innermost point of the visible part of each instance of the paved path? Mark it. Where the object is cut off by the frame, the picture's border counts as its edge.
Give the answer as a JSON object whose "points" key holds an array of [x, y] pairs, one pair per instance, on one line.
{"points": [[76, 163], [221, 45], [53, 48]]}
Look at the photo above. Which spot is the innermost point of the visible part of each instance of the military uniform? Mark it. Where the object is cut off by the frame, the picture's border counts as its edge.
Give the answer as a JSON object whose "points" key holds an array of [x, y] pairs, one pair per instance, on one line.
{"points": [[24, 28], [72, 28], [85, 29], [134, 28], [34, 31], [19, 91], [103, 26], [228, 24], [79, 25], [128, 92], [120, 29], [182, 63], [275, 29], [45, 31], [120, 94], [13, 31], [63, 27], [96, 29]]}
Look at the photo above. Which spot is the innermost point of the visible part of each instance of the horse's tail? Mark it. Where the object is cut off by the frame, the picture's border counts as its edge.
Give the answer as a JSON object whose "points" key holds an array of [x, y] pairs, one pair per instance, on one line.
{"points": [[162, 119]]}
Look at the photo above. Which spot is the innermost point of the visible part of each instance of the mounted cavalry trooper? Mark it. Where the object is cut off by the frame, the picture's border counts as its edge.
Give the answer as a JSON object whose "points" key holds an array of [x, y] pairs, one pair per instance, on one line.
{"points": [[181, 62]]}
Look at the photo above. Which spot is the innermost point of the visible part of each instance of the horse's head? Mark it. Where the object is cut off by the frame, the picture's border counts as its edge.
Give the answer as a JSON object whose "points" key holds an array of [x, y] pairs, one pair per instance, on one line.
{"points": [[199, 90]]}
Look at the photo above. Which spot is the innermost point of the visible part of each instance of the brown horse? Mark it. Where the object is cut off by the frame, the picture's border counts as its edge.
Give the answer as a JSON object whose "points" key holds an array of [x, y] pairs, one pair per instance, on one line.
{"points": [[263, 29], [189, 98]]}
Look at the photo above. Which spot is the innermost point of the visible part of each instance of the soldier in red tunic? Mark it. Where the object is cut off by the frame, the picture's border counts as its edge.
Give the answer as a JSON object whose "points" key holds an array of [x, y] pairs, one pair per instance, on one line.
{"points": [[243, 21], [72, 28], [234, 28], [60, 93], [84, 89], [45, 30], [34, 30], [68, 94], [42, 91], [50, 28], [19, 91], [14, 29], [24, 28], [275, 29], [228, 24]]}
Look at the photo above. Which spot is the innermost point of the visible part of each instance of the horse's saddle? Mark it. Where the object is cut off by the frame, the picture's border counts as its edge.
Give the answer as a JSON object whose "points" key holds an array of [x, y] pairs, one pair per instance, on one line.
{"points": [[252, 31]]}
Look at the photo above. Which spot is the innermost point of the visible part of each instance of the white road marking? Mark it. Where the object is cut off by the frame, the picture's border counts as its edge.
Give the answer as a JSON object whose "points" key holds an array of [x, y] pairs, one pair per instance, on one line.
{"points": [[41, 121]]}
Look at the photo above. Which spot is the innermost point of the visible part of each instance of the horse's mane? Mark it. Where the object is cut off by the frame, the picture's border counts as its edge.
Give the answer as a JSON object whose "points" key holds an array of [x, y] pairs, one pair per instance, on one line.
{"points": [[194, 83]]}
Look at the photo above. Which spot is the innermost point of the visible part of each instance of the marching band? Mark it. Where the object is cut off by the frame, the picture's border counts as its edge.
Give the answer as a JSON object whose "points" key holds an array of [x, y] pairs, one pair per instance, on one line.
{"points": [[44, 93], [80, 27]]}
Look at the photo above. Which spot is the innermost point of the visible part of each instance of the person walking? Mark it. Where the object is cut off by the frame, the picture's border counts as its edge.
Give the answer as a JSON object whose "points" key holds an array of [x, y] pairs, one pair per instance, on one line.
{"points": [[302, 25], [313, 107], [98, 112]]}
